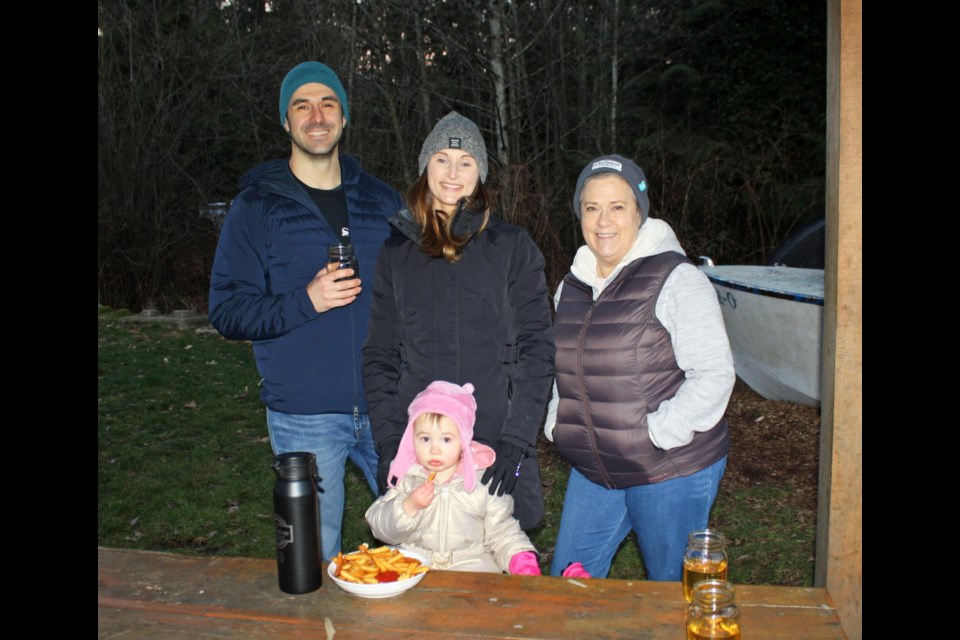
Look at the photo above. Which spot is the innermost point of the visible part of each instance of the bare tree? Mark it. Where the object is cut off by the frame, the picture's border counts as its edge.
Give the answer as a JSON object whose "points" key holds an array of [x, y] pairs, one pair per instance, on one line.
{"points": [[720, 102]]}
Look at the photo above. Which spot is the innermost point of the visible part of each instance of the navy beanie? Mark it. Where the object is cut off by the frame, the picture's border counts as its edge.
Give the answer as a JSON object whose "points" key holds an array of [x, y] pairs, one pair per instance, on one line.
{"points": [[305, 73], [618, 166]]}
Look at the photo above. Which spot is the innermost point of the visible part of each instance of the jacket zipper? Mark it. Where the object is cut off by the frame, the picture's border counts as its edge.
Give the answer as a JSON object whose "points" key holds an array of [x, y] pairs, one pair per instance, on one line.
{"points": [[583, 394], [444, 519], [356, 365], [357, 384]]}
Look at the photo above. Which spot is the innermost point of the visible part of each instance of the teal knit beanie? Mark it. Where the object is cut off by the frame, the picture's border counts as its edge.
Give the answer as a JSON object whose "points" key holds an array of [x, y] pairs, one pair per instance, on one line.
{"points": [[305, 73]]}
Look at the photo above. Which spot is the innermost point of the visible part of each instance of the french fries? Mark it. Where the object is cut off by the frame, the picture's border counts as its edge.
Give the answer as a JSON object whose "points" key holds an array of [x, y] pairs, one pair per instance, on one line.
{"points": [[433, 474], [372, 566]]}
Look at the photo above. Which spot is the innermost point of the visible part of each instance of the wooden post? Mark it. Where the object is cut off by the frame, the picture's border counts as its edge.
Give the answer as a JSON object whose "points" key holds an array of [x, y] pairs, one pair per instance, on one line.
{"points": [[840, 512]]}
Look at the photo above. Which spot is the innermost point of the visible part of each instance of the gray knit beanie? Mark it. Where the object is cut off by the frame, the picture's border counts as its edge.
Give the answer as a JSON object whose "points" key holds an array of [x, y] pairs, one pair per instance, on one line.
{"points": [[619, 166], [305, 73], [455, 132]]}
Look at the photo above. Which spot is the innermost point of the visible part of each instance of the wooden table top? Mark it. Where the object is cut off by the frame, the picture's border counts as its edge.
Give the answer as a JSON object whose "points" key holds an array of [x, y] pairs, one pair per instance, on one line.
{"points": [[144, 594]]}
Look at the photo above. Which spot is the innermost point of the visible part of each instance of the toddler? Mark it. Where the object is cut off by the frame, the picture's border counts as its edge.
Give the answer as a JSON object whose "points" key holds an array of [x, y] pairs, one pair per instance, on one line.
{"points": [[435, 508]]}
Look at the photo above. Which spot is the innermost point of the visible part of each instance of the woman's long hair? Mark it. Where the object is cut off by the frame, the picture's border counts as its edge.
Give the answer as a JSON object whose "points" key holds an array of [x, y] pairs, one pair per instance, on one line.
{"points": [[436, 226]]}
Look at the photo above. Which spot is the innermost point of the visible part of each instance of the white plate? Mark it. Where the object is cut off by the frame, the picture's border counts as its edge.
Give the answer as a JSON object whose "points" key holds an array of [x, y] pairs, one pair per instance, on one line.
{"points": [[381, 589]]}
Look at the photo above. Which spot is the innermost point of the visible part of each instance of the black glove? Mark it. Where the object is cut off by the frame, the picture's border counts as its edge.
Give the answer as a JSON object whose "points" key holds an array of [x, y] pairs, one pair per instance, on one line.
{"points": [[387, 451], [503, 474]]}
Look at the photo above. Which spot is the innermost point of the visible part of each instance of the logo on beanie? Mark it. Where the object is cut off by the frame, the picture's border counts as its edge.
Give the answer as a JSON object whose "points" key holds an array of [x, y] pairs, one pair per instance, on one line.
{"points": [[607, 164], [642, 186], [455, 143]]}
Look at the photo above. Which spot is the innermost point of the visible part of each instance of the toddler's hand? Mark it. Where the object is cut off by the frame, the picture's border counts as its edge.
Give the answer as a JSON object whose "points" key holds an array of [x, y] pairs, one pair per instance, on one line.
{"points": [[525, 564], [419, 498]]}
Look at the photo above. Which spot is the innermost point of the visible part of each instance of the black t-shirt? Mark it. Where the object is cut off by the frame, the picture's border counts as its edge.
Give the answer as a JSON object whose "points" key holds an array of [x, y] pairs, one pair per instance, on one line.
{"points": [[333, 205]]}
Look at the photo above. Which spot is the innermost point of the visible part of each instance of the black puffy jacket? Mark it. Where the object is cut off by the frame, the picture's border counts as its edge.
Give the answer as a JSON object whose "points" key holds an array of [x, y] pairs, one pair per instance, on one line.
{"points": [[485, 320]]}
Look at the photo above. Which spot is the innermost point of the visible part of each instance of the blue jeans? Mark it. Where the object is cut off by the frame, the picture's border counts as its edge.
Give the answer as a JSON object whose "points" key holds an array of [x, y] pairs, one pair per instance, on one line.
{"points": [[595, 520], [332, 437]]}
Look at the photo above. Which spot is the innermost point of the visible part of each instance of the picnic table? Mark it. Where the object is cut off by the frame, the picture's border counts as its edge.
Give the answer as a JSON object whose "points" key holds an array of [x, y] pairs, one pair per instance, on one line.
{"points": [[145, 594]]}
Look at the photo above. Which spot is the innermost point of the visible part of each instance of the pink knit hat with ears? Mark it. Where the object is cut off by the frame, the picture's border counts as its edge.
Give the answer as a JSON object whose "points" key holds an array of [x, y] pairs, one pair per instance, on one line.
{"points": [[446, 399]]}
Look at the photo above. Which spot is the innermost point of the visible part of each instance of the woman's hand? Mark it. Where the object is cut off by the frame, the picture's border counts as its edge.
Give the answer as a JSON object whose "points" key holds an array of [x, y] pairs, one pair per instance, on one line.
{"points": [[419, 498], [503, 473]]}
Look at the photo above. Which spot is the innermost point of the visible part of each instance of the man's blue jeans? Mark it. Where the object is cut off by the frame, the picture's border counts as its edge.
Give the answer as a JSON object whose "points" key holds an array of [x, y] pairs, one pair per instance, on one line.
{"points": [[332, 437], [595, 520]]}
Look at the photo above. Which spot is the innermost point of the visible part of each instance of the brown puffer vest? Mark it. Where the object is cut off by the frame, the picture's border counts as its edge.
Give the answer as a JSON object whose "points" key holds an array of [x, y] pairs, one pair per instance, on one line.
{"points": [[615, 364]]}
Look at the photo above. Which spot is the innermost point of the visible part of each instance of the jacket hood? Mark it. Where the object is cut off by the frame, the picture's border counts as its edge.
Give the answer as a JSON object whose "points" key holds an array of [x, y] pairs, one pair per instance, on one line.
{"points": [[655, 237], [469, 223]]}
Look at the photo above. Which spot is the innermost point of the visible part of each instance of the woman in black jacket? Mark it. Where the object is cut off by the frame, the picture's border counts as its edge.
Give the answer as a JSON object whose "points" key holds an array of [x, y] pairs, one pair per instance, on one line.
{"points": [[460, 295]]}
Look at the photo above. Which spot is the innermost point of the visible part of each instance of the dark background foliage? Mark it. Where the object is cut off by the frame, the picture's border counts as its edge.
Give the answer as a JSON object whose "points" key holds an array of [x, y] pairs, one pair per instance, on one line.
{"points": [[722, 102]]}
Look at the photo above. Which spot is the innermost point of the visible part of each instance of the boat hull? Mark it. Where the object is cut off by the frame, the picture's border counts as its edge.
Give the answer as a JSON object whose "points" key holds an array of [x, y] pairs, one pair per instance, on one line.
{"points": [[774, 319]]}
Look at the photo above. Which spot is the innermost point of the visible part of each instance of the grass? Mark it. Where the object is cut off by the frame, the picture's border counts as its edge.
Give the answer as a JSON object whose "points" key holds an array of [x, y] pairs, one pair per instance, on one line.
{"points": [[771, 543], [183, 464]]}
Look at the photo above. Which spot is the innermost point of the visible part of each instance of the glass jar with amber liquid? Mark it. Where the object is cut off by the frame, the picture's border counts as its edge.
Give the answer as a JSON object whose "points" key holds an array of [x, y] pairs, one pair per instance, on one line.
{"points": [[713, 612], [705, 559]]}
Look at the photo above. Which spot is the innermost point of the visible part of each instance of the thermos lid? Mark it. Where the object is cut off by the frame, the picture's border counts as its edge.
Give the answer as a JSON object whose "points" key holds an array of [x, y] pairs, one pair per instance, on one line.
{"points": [[295, 465]]}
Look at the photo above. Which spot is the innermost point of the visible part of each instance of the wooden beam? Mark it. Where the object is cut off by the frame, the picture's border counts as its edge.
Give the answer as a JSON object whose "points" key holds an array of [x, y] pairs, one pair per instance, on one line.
{"points": [[840, 512]]}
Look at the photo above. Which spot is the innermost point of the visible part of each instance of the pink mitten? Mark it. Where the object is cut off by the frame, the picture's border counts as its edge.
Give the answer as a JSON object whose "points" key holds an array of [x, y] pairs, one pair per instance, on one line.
{"points": [[575, 570], [525, 564]]}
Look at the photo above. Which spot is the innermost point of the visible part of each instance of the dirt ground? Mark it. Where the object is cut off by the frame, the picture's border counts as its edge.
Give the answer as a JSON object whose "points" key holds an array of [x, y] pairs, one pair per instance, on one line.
{"points": [[774, 443]]}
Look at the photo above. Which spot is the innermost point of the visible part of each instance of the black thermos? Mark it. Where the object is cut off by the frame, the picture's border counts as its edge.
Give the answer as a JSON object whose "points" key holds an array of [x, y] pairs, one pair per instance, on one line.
{"points": [[297, 518]]}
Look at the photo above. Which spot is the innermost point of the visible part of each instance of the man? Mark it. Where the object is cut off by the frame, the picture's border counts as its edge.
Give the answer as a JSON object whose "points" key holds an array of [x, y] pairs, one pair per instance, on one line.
{"points": [[308, 321]]}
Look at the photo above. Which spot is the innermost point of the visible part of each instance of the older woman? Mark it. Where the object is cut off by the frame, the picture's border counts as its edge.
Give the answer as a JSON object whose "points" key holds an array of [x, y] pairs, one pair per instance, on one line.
{"points": [[460, 295], [644, 373]]}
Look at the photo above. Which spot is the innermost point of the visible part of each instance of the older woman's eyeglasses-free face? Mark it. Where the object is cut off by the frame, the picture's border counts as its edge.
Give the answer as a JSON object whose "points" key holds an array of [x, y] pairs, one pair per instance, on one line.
{"points": [[610, 220]]}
